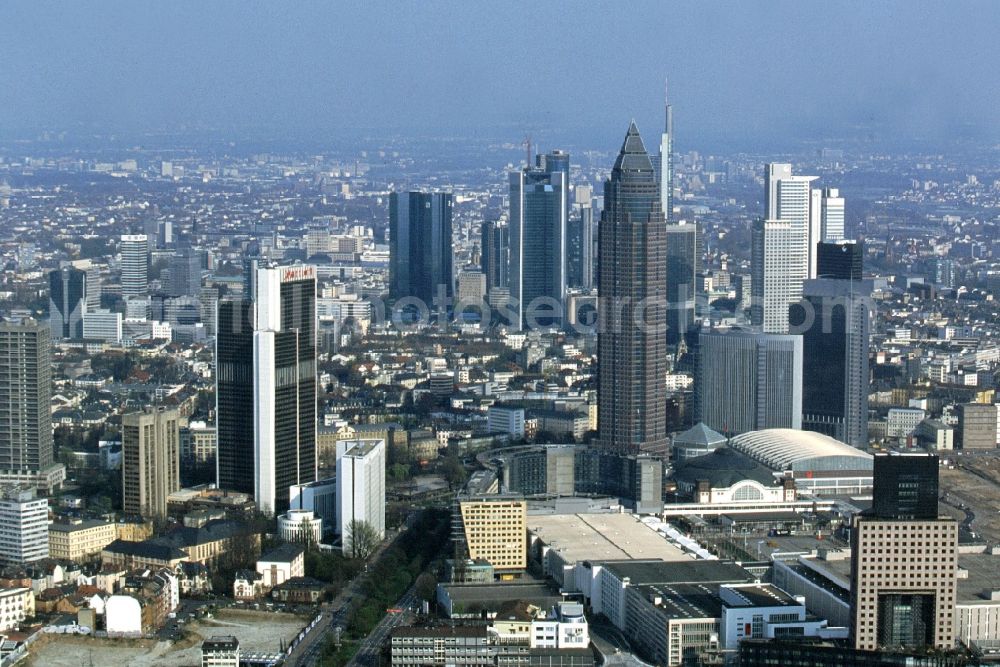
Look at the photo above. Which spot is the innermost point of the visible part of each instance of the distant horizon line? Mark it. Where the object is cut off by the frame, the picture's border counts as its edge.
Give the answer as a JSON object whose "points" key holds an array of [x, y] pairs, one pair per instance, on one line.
{"points": [[589, 137]]}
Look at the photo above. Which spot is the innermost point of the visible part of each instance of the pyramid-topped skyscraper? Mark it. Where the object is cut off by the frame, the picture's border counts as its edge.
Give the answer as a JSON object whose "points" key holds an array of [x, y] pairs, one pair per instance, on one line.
{"points": [[632, 351]]}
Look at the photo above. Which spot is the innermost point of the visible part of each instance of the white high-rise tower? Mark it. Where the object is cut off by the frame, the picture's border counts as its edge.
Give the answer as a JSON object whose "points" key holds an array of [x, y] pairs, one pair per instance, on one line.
{"points": [[284, 383], [796, 218], [665, 163], [831, 216], [134, 251]]}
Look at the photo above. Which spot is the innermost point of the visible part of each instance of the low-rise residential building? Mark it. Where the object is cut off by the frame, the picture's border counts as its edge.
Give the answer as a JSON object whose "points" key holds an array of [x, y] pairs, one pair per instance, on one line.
{"points": [[281, 564], [220, 651], [248, 585], [80, 540], [299, 590], [16, 606], [203, 544]]}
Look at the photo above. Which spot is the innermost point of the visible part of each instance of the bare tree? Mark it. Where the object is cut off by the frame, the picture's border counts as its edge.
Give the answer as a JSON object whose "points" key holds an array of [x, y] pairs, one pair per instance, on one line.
{"points": [[361, 540]]}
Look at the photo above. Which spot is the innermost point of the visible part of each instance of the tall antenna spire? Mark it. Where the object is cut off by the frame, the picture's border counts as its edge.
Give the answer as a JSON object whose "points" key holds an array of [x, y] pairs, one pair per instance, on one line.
{"points": [[668, 109], [666, 103]]}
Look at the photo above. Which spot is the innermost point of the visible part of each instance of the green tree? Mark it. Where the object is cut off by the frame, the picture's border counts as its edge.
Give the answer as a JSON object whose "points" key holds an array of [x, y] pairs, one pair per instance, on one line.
{"points": [[399, 472], [361, 540], [426, 586], [454, 472]]}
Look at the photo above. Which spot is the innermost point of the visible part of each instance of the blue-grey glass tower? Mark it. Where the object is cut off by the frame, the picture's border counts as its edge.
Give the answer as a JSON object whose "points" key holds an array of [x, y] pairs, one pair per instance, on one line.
{"points": [[234, 394], [420, 246], [682, 277], [539, 206], [748, 381], [185, 272], [834, 320], [67, 303], [495, 248], [631, 343], [580, 249]]}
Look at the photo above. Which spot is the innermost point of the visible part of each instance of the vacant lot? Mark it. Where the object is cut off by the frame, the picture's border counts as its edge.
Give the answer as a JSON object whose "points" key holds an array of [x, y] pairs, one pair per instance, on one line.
{"points": [[256, 630], [980, 492]]}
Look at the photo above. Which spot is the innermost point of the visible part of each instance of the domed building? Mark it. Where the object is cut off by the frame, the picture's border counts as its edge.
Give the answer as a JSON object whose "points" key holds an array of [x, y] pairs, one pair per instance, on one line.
{"points": [[819, 464], [696, 441], [727, 476]]}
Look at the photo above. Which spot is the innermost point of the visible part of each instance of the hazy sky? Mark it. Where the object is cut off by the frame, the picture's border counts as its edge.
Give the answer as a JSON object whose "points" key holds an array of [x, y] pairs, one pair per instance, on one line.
{"points": [[739, 72]]}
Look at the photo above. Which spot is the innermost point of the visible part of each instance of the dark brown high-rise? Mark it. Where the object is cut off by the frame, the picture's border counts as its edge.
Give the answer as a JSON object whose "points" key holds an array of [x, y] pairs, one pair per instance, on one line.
{"points": [[632, 350]]}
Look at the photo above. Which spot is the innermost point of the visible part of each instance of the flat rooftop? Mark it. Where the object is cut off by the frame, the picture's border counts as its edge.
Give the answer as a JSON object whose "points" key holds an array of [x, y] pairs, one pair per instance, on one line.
{"points": [[983, 574], [362, 447], [762, 595], [683, 572], [535, 593], [597, 537], [684, 601], [86, 524]]}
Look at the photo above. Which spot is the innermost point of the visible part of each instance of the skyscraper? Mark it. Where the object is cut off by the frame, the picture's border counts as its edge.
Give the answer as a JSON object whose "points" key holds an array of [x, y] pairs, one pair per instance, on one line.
{"points": [[584, 204], [67, 303], [539, 206], [284, 386], [778, 266], [663, 163], [495, 247], [580, 241], [185, 272], [840, 260], [134, 251], [25, 396], [831, 216], [360, 487], [904, 560], [151, 460], [234, 395], [632, 352], [93, 295], [748, 381], [835, 323], [783, 255], [682, 279], [266, 387], [420, 246]]}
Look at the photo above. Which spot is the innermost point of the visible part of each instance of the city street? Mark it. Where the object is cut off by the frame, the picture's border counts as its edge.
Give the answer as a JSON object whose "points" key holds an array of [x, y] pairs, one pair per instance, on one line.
{"points": [[367, 655]]}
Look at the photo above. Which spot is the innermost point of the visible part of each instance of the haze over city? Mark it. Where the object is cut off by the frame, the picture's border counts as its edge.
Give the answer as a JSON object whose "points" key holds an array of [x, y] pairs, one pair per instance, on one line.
{"points": [[521, 334], [749, 73]]}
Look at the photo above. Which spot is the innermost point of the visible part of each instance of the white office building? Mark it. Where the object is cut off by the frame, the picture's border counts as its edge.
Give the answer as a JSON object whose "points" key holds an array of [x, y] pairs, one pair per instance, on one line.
{"points": [[284, 358], [507, 420], [319, 497], [796, 218], [831, 215], [360, 486], [300, 526], [902, 422], [779, 266], [103, 325], [134, 251], [25, 521]]}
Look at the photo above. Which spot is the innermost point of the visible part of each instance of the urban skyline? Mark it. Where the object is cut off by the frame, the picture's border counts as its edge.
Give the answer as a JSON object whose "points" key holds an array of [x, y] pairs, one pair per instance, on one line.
{"points": [[358, 335]]}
